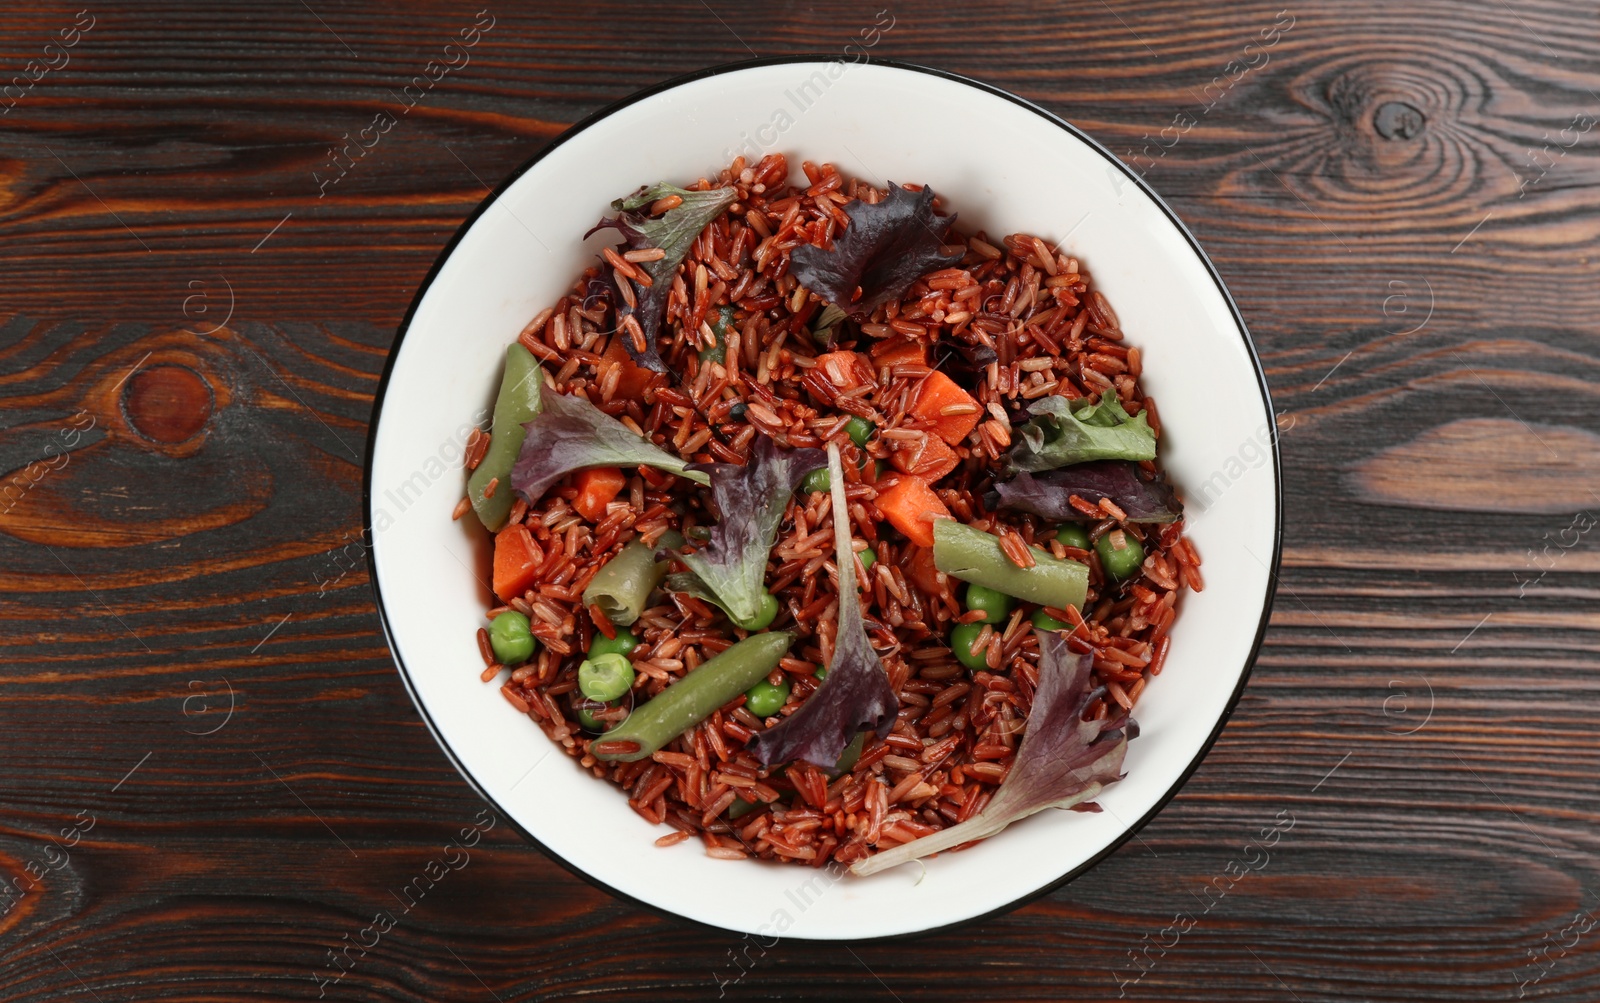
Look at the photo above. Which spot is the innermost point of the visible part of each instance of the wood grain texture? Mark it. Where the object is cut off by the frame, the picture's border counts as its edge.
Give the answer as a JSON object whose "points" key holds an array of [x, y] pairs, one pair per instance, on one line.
{"points": [[194, 674]]}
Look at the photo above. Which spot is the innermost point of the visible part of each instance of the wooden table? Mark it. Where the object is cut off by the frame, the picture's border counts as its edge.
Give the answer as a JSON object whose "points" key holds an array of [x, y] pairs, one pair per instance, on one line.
{"points": [[213, 777]]}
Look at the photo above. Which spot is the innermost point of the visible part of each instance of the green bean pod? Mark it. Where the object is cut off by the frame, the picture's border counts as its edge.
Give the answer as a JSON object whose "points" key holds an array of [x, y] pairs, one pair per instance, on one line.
{"points": [[517, 402], [848, 758], [622, 587], [975, 556], [693, 698]]}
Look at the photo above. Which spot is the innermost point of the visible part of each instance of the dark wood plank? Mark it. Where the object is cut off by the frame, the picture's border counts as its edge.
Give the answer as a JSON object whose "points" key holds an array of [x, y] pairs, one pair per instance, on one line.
{"points": [[192, 658]]}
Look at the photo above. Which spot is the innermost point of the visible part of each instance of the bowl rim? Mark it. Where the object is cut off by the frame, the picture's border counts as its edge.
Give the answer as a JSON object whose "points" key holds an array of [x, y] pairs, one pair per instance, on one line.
{"points": [[719, 69]]}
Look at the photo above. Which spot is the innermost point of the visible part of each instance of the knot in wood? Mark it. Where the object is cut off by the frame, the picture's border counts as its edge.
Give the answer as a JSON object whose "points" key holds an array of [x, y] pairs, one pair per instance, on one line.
{"points": [[1397, 120], [167, 403]]}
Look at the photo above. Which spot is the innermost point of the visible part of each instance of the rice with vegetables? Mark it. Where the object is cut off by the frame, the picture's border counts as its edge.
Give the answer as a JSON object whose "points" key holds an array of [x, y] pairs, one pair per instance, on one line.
{"points": [[763, 383]]}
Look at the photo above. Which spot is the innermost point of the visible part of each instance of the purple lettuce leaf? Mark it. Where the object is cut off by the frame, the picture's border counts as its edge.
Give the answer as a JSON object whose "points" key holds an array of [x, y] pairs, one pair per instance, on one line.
{"points": [[857, 695], [962, 362], [749, 500], [599, 290], [1063, 762], [1046, 495], [674, 231], [886, 247], [572, 434]]}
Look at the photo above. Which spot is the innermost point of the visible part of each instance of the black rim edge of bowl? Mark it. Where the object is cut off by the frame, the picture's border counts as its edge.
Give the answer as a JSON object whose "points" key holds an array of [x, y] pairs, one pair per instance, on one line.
{"points": [[718, 70]]}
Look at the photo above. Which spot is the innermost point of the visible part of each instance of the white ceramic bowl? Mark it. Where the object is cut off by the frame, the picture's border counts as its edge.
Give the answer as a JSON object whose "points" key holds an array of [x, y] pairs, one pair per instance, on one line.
{"points": [[1004, 165]]}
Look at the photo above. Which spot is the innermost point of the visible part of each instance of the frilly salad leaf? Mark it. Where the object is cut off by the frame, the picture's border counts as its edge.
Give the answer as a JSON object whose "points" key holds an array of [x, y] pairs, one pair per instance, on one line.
{"points": [[1064, 432], [1047, 494], [856, 696], [886, 247], [1063, 762], [673, 231], [750, 500], [572, 434]]}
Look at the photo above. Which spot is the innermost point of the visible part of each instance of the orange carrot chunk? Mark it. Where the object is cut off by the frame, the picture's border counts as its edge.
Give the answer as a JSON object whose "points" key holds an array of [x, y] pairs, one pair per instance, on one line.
{"points": [[911, 506], [596, 487], [845, 369], [919, 567], [899, 352], [931, 462], [940, 394], [635, 378], [516, 561]]}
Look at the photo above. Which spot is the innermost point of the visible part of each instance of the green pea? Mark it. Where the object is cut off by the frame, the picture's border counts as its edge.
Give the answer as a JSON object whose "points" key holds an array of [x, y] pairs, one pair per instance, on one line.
{"points": [[1120, 564], [1044, 621], [584, 710], [510, 638], [817, 480], [859, 430], [622, 644], [1073, 535], [869, 557], [993, 604], [605, 677], [765, 615], [961, 639], [719, 327], [741, 807], [764, 699], [822, 673]]}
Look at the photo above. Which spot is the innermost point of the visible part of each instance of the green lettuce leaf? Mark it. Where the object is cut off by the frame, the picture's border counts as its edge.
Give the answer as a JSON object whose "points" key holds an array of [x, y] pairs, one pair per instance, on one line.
{"points": [[1064, 432]]}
